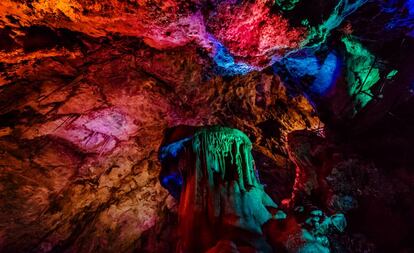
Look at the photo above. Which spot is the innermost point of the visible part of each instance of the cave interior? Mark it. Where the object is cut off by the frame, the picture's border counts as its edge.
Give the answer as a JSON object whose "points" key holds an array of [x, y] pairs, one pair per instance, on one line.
{"points": [[206, 126]]}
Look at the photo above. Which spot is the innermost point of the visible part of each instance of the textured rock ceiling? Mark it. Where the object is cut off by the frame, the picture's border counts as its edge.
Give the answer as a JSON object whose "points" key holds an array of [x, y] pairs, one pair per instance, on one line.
{"points": [[87, 89]]}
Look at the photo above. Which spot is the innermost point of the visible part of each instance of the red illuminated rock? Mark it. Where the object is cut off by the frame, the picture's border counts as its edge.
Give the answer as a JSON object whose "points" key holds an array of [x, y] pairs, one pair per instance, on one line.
{"points": [[252, 33]]}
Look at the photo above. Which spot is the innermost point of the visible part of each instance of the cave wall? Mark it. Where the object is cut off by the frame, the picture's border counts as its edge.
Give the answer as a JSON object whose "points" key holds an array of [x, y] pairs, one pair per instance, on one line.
{"points": [[79, 145]]}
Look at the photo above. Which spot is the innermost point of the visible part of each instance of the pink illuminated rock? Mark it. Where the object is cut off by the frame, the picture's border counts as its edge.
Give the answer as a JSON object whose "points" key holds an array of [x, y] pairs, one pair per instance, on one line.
{"points": [[252, 33], [99, 131], [110, 122]]}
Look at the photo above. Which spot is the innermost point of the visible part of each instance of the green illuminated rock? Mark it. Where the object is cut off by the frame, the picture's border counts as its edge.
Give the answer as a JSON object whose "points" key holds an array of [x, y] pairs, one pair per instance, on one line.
{"points": [[215, 145], [225, 153], [391, 74], [286, 5], [362, 74], [280, 215], [318, 34]]}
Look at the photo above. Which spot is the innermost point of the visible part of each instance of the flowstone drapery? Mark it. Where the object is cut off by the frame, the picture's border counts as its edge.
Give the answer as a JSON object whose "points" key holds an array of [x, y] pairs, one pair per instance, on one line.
{"points": [[221, 197]]}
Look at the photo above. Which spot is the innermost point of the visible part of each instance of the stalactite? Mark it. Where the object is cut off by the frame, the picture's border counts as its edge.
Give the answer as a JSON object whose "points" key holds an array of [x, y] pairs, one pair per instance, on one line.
{"points": [[220, 184], [213, 146]]}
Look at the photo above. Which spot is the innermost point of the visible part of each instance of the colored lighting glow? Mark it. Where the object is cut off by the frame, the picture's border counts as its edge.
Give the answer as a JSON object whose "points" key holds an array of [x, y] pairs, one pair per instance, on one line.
{"points": [[325, 74], [299, 67], [286, 5], [253, 33], [173, 149], [318, 35], [410, 6], [218, 143], [362, 75], [392, 74], [403, 15], [226, 66], [173, 183]]}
